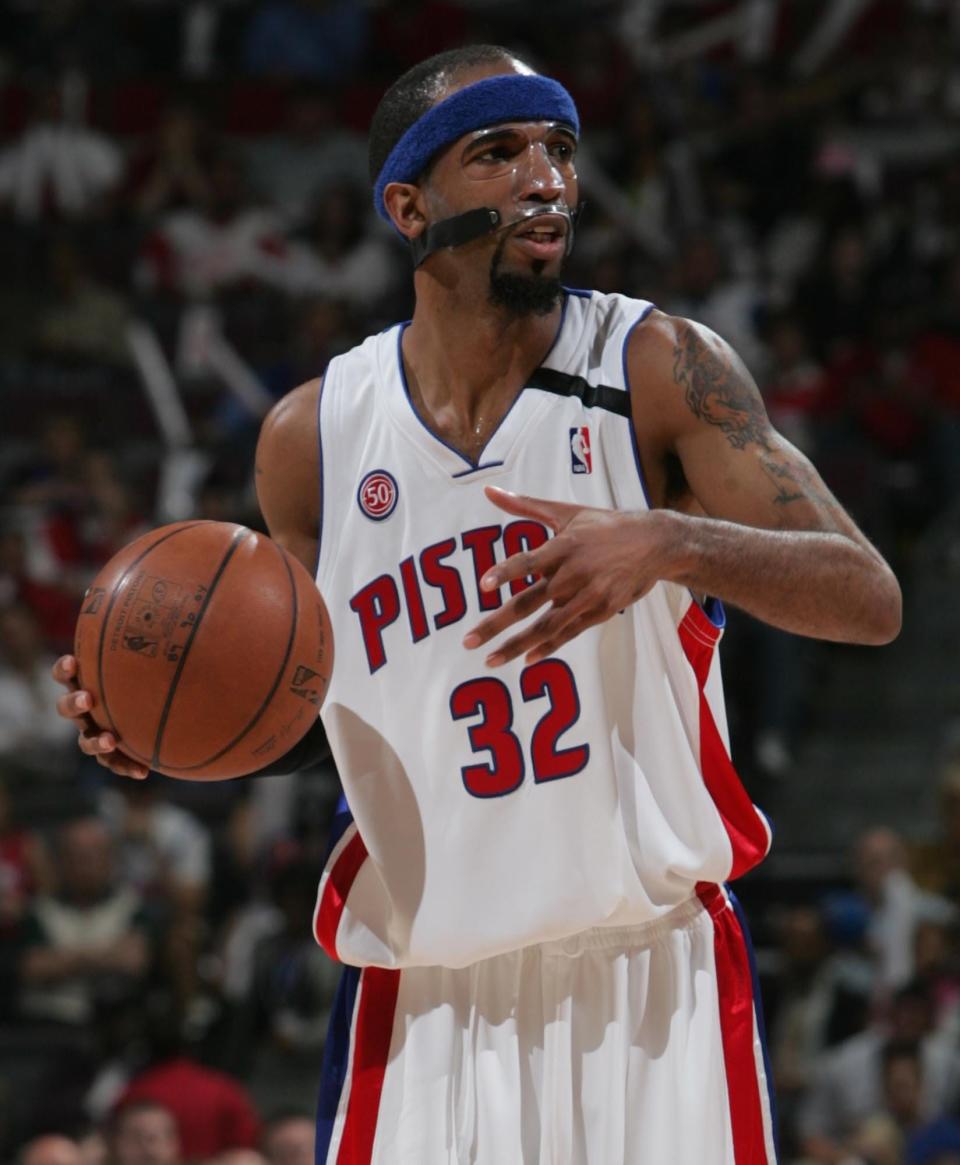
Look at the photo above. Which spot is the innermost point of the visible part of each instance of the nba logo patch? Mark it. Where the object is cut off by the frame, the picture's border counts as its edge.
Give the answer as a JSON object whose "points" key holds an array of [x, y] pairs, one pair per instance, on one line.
{"points": [[377, 495], [580, 458]]}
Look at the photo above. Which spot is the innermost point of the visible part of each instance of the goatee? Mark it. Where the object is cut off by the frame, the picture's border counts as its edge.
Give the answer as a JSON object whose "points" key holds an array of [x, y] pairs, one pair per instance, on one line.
{"points": [[523, 295]]}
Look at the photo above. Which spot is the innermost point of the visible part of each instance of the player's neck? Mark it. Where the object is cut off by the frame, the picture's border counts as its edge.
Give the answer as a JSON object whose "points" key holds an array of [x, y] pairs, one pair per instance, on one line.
{"points": [[466, 356]]}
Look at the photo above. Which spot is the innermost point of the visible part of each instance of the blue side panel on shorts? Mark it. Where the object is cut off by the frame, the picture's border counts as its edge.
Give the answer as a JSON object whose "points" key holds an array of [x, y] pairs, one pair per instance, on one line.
{"points": [[758, 1007], [336, 1054], [342, 817]]}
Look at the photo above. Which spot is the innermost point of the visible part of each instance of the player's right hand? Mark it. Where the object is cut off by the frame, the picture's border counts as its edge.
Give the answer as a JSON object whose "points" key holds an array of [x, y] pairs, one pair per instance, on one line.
{"points": [[75, 706]]}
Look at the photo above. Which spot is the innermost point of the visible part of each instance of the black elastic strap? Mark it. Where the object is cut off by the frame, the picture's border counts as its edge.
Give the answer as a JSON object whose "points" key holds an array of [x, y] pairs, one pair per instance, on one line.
{"points": [[453, 232], [312, 749], [594, 396]]}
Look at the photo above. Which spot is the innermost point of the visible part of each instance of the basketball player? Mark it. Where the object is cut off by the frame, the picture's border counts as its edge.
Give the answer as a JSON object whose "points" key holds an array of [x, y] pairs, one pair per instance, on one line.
{"points": [[526, 495]]}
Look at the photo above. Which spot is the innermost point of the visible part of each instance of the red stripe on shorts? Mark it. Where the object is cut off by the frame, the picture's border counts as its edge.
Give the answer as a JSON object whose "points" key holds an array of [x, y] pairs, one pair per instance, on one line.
{"points": [[736, 1002], [749, 839], [374, 1031], [335, 891]]}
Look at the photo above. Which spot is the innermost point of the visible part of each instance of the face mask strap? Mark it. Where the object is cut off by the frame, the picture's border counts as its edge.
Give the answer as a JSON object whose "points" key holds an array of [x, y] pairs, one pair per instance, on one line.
{"points": [[474, 224], [454, 232]]}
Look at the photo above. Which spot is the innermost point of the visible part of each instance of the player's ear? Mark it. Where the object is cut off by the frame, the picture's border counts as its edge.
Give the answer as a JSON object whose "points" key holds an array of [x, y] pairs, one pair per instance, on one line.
{"points": [[405, 205]]}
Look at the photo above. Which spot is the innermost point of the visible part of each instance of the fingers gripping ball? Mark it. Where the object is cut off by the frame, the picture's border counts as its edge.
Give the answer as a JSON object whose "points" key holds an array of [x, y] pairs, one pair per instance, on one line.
{"points": [[207, 648]]}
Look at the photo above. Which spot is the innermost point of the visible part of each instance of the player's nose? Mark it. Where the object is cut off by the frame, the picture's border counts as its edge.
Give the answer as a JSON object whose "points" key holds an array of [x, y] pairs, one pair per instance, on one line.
{"points": [[539, 178]]}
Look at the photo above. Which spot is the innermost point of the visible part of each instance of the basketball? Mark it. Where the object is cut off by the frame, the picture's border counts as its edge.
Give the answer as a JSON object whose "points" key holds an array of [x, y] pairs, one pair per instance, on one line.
{"points": [[207, 649]]}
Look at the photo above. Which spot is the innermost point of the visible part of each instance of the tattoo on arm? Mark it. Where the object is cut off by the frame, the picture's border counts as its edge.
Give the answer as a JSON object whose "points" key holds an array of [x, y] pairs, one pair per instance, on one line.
{"points": [[796, 482], [720, 393]]}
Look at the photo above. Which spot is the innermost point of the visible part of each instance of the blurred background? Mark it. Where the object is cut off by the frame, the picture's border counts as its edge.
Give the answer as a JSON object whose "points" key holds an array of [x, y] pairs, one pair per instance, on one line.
{"points": [[186, 233]]}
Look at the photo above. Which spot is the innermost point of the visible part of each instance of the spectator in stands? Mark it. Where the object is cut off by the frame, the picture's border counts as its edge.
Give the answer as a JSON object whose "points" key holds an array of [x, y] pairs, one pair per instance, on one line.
{"points": [[163, 851], [55, 473], [58, 167], [49, 494], [819, 996], [213, 1111], [288, 1138], [889, 895], [880, 1138], [839, 296], [88, 940], [219, 241], [730, 303], [795, 387], [341, 257], [24, 871], [57, 498], [322, 328], [171, 172], [53, 606], [847, 1087], [111, 515], [317, 40], [638, 167], [72, 517], [936, 954], [50, 1149], [292, 987], [30, 739], [893, 900], [144, 1133], [311, 128], [83, 320]]}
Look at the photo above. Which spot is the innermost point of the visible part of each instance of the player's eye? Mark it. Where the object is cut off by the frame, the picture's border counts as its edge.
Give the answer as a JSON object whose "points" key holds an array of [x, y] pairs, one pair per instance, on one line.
{"points": [[563, 152], [493, 154]]}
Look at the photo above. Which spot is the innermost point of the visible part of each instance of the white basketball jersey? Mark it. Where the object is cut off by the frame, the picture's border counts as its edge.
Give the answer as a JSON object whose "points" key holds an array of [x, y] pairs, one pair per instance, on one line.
{"points": [[493, 808]]}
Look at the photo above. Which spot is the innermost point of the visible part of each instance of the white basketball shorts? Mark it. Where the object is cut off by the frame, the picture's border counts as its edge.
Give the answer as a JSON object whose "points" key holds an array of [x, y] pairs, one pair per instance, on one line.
{"points": [[639, 1046]]}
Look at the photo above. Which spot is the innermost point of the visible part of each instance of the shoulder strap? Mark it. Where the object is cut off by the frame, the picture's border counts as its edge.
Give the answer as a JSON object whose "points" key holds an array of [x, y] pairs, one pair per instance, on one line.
{"points": [[594, 396]]}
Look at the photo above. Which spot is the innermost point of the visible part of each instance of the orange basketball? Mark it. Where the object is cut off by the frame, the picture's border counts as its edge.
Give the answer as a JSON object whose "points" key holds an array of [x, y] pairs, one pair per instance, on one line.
{"points": [[207, 648]]}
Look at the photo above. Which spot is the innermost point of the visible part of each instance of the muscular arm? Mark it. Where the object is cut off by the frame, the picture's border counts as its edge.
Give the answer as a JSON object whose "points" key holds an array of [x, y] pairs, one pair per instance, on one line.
{"points": [[737, 513], [773, 540], [287, 469]]}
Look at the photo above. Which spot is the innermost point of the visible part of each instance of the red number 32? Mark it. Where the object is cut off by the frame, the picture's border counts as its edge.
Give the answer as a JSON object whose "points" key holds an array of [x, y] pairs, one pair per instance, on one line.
{"points": [[490, 698]]}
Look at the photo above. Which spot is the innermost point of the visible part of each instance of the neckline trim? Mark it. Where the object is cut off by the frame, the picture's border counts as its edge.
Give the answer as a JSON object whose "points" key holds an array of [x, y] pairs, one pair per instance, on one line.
{"points": [[472, 466]]}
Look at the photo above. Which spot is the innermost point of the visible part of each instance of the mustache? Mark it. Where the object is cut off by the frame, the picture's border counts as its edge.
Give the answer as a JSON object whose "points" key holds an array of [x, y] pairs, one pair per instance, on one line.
{"points": [[556, 209]]}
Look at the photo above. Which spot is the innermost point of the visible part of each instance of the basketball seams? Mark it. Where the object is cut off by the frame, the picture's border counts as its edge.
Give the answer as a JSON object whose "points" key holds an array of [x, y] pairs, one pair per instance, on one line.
{"points": [[155, 693], [255, 719], [239, 537], [115, 590]]}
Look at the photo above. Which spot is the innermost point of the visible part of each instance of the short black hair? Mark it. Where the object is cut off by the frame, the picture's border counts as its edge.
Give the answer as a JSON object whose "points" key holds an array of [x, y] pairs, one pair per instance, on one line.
{"points": [[412, 94]]}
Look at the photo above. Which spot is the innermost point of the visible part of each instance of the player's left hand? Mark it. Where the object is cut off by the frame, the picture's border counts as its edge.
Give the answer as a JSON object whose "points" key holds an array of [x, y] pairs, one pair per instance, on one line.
{"points": [[598, 563]]}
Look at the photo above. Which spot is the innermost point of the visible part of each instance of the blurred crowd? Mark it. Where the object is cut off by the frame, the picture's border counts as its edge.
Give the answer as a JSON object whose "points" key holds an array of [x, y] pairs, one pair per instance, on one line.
{"points": [[186, 232]]}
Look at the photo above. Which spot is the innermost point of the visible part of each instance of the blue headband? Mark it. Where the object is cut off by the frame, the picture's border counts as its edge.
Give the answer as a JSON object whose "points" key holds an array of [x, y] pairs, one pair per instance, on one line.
{"points": [[506, 97]]}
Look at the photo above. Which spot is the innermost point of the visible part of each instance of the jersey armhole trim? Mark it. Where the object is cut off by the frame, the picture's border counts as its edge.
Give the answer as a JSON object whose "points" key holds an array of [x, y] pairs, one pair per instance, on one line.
{"points": [[323, 382], [634, 443]]}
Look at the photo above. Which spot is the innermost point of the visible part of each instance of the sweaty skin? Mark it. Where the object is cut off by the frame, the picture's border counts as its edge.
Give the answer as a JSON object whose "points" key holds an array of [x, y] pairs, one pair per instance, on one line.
{"points": [[738, 512]]}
